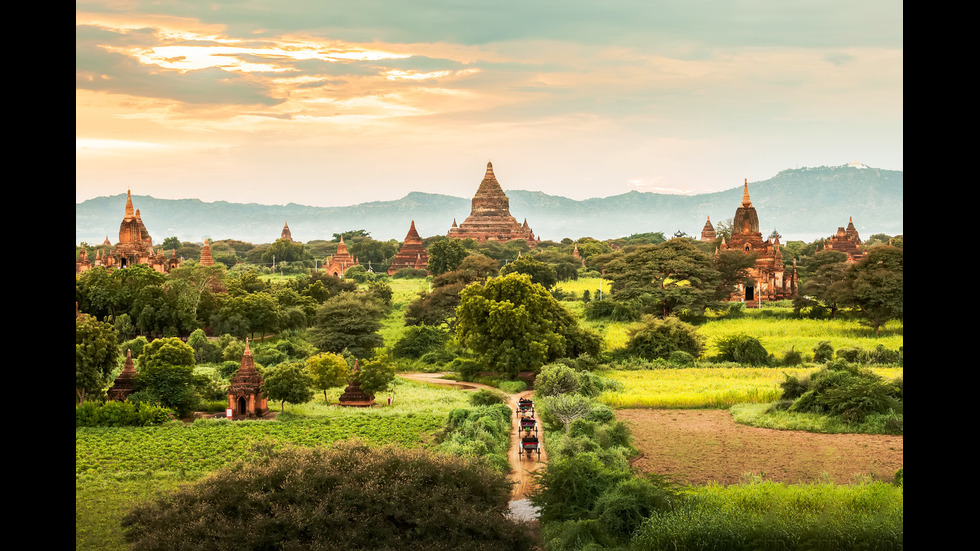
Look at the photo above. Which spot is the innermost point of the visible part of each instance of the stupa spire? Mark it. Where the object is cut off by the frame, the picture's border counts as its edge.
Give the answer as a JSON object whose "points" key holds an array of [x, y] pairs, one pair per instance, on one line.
{"points": [[746, 202]]}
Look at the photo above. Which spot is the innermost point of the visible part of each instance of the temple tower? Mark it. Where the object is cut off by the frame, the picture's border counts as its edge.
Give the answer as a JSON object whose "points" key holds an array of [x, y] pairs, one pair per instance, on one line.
{"points": [[411, 255], [770, 281], [490, 217], [245, 398]]}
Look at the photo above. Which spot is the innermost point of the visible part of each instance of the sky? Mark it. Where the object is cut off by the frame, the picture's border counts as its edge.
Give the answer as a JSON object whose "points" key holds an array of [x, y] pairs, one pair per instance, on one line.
{"points": [[334, 103]]}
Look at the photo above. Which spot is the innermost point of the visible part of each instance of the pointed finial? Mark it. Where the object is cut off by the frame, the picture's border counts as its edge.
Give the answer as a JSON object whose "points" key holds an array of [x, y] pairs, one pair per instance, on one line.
{"points": [[746, 202], [248, 352]]}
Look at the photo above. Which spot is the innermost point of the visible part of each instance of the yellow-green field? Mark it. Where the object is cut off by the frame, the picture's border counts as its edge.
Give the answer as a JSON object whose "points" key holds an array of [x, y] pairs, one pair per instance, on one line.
{"points": [[704, 387], [777, 334]]}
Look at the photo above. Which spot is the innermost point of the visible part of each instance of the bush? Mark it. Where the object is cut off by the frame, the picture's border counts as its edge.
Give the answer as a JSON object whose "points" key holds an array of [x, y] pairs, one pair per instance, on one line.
{"points": [[419, 340], [484, 397], [823, 352], [680, 358], [556, 379], [313, 498], [623, 508], [135, 346], [792, 357], [658, 338], [742, 349]]}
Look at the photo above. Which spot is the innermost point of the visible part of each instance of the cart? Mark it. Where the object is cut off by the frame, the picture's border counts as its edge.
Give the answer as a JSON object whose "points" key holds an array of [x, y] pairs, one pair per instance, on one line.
{"points": [[530, 445]]}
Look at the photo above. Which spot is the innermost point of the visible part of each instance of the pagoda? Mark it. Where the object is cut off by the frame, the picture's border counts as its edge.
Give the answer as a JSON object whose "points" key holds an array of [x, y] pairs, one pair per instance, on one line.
{"points": [[245, 398], [490, 218], [337, 264], [135, 245], [125, 383], [846, 241], [353, 395], [206, 259], [412, 254], [286, 234], [770, 281], [708, 231]]}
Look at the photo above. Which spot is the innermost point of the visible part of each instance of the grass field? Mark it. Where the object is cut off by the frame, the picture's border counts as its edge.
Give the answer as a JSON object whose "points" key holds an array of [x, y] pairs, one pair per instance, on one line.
{"points": [[704, 387], [115, 468], [777, 332]]}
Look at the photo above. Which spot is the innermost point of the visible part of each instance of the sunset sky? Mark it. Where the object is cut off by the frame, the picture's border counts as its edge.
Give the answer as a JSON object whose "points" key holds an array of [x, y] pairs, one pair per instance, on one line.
{"points": [[329, 103]]}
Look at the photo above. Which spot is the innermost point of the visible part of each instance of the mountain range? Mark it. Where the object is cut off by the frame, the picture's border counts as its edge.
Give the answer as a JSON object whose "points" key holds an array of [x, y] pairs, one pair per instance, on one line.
{"points": [[800, 204]]}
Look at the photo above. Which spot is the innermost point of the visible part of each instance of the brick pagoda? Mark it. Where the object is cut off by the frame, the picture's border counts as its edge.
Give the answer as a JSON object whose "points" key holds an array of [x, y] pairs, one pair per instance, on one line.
{"points": [[411, 255], [847, 241], [245, 398], [770, 279], [490, 218]]}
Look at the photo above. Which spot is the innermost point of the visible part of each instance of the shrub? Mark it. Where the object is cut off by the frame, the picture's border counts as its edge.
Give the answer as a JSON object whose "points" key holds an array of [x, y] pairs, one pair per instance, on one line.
{"points": [[419, 340], [658, 338], [850, 354], [742, 349], [680, 358], [313, 498], [484, 397], [881, 355], [823, 352], [792, 357], [570, 486], [556, 379], [135, 346], [623, 508]]}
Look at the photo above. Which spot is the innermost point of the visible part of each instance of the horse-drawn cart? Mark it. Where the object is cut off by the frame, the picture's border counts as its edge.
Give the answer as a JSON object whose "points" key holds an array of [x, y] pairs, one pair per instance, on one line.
{"points": [[525, 407], [530, 445]]}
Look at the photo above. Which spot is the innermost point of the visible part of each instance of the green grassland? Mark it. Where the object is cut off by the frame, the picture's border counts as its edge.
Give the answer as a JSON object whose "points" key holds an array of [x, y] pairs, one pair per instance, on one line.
{"points": [[115, 468]]}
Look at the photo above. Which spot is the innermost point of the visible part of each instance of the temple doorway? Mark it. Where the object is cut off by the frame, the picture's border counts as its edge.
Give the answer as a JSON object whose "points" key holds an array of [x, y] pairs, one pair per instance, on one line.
{"points": [[242, 406], [749, 293]]}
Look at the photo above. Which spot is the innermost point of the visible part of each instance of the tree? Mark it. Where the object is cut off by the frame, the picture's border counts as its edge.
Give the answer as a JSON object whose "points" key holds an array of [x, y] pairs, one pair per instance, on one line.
{"points": [[288, 382], [96, 355], [374, 376], [518, 326], [827, 285], [876, 286], [327, 370], [348, 321], [165, 372], [540, 272], [566, 408], [171, 243], [446, 255], [664, 278]]}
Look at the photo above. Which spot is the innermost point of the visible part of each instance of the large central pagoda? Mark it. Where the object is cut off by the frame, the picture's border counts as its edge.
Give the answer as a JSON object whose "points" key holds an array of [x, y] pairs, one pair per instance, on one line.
{"points": [[490, 218]]}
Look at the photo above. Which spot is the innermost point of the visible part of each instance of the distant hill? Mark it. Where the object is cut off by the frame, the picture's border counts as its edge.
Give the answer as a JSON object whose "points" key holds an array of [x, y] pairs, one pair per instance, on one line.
{"points": [[801, 204]]}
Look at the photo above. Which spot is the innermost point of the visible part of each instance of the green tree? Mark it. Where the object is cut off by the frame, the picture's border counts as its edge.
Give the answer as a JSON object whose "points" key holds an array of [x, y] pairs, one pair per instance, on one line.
{"points": [[348, 321], [664, 278], [288, 382], [446, 255], [518, 326], [96, 355], [876, 286], [165, 372], [540, 272], [327, 370], [374, 376]]}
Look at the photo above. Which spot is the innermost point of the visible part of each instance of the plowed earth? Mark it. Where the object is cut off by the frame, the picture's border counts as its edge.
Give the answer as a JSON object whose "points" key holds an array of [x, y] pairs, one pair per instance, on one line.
{"points": [[702, 446]]}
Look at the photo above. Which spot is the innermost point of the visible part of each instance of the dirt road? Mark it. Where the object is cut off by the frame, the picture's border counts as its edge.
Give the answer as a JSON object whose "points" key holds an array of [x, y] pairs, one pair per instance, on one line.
{"points": [[521, 468]]}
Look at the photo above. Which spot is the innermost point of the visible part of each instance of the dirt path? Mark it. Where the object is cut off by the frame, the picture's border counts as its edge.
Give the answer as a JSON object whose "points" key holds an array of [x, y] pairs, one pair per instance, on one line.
{"points": [[701, 446], [521, 469]]}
